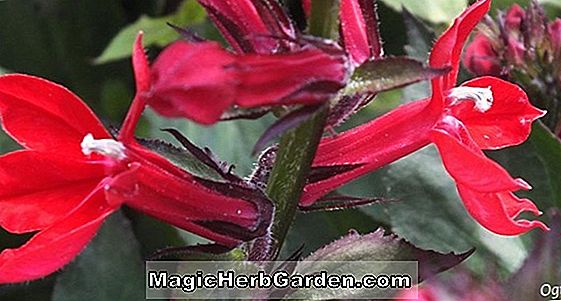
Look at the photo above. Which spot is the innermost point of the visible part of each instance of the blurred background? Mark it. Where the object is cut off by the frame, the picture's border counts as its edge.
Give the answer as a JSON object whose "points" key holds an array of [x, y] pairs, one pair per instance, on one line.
{"points": [[85, 45]]}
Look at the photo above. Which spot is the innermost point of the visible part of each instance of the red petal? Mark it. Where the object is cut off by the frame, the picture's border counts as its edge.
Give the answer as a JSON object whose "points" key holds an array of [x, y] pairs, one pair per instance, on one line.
{"points": [[307, 6], [193, 81], [374, 144], [140, 65], [37, 189], [240, 23], [202, 92], [467, 164], [143, 83], [554, 31], [303, 77], [515, 51], [509, 120], [44, 116], [497, 211], [447, 49], [55, 246], [480, 58], [359, 29], [514, 17]]}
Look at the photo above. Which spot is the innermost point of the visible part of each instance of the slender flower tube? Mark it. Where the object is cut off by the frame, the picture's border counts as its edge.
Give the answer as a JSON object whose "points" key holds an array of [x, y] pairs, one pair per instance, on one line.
{"points": [[72, 174], [252, 26], [271, 63], [485, 113], [359, 30], [220, 79]]}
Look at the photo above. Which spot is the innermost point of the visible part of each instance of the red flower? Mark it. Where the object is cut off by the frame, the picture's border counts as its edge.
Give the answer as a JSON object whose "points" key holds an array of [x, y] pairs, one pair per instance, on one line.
{"points": [[480, 58], [359, 30], [273, 64], [200, 81], [307, 7], [252, 26], [514, 17], [485, 113], [72, 174], [554, 31], [515, 51]]}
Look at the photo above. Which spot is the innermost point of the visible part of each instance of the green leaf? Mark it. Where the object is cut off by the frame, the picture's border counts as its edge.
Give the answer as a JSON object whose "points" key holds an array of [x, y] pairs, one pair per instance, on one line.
{"points": [[324, 19], [419, 44], [110, 268], [156, 31], [435, 11], [153, 234], [428, 212], [304, 231], [207, 252], [38, 290], [231, 140], [427, 203], [548, 149], [419, 37], [538, 161], [374, 246], [183, 159], [552, 2], [389, 73]]}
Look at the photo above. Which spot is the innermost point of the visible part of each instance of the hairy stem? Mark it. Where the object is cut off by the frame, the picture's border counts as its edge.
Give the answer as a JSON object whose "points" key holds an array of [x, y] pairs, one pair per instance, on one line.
{"points": [[298, 147]]}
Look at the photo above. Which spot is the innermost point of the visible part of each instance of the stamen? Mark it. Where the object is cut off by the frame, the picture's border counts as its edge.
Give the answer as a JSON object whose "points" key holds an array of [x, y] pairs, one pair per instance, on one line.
{"points": [[483, 97], [106, 147]]}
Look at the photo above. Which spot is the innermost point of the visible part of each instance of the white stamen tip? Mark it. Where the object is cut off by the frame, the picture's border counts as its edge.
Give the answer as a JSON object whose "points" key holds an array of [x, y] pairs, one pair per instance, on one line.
{"points": [[483, 97], [106, 147]]}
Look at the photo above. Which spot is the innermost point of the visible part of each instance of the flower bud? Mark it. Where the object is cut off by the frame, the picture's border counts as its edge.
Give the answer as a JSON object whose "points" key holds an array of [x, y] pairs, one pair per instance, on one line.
{"points": [[480, 57]]}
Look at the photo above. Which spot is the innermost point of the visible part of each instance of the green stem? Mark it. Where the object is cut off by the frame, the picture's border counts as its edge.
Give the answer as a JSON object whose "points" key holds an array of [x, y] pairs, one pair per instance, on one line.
{"points": [[324, 18], [297, 147], [288, 177]]}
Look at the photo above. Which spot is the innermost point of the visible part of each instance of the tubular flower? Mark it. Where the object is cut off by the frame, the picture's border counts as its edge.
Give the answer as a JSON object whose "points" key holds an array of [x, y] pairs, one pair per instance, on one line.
{"points": [[483, 57], [72, 174], [201, 80], [485, 113], [252, 26], [271, 63], [480, 58], [359, 30]]}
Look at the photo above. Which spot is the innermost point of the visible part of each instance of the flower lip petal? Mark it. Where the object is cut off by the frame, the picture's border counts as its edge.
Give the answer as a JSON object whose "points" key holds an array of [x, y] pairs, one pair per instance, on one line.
{"points": [[447, 49], [495, 211], [466, 163], [45, 116], [55, 246], [508, 121]]}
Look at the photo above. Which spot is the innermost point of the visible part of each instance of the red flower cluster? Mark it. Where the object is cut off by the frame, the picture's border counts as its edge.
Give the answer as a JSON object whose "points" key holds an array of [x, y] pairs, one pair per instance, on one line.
{"points": [[482, 114], [513, 44], [72, 174]]}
